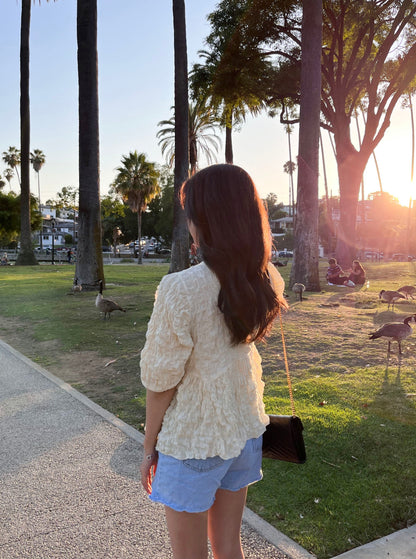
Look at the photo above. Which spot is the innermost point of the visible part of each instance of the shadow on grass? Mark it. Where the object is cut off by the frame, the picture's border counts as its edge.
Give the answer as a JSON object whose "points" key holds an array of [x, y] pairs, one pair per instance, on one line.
{"points": [[392, 401]]}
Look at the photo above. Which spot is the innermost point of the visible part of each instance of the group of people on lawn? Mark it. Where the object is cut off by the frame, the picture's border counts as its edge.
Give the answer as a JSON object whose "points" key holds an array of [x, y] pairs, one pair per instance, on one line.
{"points": [[335, 275]]}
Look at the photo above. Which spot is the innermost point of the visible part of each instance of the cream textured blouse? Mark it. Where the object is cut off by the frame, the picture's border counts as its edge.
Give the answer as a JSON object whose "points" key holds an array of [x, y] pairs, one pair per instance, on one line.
{"points": [[218, 404]]}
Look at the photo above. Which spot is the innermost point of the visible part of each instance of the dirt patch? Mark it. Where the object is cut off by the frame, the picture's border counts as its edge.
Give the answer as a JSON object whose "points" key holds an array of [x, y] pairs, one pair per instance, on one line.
{"points": [[107, 381]]}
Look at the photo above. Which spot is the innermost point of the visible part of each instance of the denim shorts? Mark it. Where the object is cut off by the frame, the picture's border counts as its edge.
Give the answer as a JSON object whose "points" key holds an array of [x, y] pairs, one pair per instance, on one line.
{"points": [[190, 485]]}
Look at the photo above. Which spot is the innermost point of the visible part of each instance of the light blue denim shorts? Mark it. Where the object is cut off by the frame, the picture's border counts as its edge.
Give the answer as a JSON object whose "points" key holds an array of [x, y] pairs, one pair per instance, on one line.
{"points": [[190, 485]]}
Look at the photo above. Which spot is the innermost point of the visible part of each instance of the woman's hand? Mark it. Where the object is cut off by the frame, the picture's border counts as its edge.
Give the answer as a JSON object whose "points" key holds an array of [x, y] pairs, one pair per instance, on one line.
{"points": [[148, 470]]}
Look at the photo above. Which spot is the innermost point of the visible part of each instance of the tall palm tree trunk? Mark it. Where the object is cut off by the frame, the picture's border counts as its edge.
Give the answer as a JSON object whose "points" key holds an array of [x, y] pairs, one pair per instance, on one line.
{"points": [[229, 155], [412, 122], [193, 156], [89, 268], [180, 235], [292, 190], [139, 237], [412, 168], [306, 254], [26, 255], [40, 210]]}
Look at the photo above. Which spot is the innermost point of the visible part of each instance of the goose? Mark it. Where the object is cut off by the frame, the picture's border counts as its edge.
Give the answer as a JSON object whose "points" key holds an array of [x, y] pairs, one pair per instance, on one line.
{"points": [[408, 291], [397, 331], [77, 287], [298, 288], [106, 306], [390, 297]]}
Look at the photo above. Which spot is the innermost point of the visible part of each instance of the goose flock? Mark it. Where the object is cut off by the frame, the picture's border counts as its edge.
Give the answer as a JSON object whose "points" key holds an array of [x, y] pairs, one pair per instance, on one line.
{"points": [[395, 331]]}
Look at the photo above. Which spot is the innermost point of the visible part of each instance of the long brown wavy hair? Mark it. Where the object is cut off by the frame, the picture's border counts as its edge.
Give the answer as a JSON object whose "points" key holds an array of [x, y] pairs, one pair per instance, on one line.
{"points": [[235, 242]]}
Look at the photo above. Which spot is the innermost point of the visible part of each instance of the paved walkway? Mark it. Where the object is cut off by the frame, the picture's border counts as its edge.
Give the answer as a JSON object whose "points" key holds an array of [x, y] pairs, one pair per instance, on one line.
{"points": [[69, 482]]}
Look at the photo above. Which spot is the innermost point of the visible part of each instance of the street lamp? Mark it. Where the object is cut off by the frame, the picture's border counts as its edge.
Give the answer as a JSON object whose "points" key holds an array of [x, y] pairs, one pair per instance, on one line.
{"points": [[53, 226]]}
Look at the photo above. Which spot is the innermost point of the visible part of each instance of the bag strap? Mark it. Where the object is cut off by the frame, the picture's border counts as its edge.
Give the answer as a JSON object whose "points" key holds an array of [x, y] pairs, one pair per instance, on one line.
{"points": [[289, 381]]}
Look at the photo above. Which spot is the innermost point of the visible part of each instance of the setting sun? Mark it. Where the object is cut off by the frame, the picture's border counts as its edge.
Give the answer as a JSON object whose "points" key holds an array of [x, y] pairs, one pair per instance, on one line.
{"points": [[394, 160], [406, 193], [395, 181]]}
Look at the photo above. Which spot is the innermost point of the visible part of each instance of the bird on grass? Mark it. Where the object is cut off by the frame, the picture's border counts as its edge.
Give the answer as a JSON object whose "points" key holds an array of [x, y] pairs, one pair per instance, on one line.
{"points": [[390, 297], [298, 288], [408, 291], [77, 287], [395, 331], [106, 306]]}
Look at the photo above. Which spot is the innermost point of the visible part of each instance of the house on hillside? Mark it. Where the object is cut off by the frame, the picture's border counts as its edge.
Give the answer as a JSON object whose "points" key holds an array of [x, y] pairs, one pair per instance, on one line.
{"points": [[281, 225], [62, 228]]}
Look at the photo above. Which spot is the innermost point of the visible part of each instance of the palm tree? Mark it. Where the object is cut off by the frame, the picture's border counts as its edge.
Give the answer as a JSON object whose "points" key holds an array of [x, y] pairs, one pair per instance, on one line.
{"points": [[180, 235], [232, 77], [12, 159], [8, 174], [201, 136], [89, 265], [138, 183], [290, 167], [412, 122], [208, 83], [2, 183], [37, 158], [26, 255], [412, 168]]}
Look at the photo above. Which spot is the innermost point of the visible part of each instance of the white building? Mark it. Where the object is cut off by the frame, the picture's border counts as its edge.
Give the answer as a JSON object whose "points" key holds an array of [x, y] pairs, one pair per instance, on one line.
{"points": [[284, 224], [56, 236]]}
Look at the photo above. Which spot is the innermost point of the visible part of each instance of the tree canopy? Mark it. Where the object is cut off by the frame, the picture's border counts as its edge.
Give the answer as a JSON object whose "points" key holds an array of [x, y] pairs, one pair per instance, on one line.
{"points": [[202, 137], [10, 217], [368, 62], [233, 76]]}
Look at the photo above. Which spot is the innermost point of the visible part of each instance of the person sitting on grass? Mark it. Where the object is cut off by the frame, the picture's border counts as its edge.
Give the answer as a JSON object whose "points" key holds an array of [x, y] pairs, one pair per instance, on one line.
{"points": [[357, 275], [335, 274]]}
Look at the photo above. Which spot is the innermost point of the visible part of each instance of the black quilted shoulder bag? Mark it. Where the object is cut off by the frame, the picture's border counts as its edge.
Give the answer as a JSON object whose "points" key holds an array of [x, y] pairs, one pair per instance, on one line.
{"points": [[283, 438]]}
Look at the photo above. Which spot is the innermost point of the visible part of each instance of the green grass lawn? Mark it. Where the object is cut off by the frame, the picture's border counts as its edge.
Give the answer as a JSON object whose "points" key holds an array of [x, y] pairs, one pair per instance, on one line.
{"points": [[358, 407]]}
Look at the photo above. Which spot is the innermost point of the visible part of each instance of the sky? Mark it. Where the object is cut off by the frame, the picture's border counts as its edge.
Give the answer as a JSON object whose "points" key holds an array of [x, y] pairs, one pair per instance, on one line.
{"points": [[136, 91]]}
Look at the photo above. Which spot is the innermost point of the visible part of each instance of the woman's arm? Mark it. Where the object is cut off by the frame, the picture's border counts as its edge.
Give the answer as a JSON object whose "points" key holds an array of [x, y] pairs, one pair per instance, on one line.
{"points": [[156, 405]]}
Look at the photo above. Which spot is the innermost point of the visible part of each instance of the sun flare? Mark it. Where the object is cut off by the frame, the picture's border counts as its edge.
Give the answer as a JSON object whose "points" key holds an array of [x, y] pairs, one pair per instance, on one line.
{"points": [[395, 181]]}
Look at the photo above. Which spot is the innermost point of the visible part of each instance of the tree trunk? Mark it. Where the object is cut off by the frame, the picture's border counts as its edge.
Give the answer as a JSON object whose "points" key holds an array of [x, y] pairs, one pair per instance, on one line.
{"points": [[89, 268], [412, 167], [306, 254], [26, 255], [193, 156], [180, 235], [350, 164], [229, 156], [350, 172], [139, 237]]}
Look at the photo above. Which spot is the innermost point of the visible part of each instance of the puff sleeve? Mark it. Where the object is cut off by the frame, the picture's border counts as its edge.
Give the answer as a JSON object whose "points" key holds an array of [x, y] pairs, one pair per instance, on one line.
{"points": [[168, 340], [277, 282]]}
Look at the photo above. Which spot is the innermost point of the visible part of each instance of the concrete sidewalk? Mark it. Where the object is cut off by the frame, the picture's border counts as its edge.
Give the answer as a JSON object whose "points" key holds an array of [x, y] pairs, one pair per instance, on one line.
{"points": [[69, 482]]}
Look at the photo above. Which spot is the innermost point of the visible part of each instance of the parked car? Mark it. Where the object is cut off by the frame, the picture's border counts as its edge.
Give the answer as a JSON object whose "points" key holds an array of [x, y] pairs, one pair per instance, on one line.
{"points": [[374, 255], [285, 254], [162, 250], [400, 257]]}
